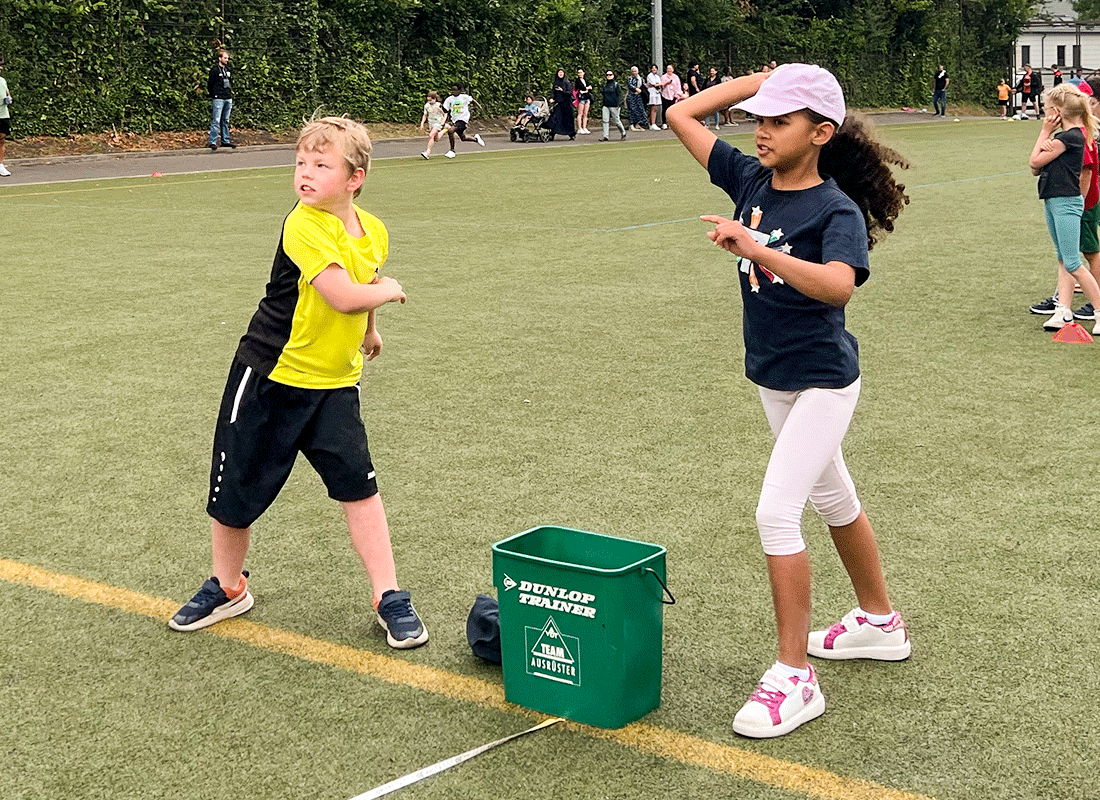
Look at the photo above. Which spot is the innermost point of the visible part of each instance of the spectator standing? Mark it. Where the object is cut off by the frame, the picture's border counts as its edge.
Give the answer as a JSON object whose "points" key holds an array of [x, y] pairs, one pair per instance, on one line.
{"points": [[694, 79], [712, 79], [1003, 91], [5, 122], [1090, 217], [1090, 189], [1075, 79], [582, 90], [221, 102], [940, 82], [1057, 75], [561, 115], [635, 103], [653, 83], [1057, 160], [612, 99], [672, 89], [1030, 87], [727, 76]]}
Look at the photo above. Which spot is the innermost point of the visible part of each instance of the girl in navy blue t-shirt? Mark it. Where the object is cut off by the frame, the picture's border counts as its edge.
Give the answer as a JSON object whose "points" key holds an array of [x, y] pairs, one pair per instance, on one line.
{"points": [[808, 207]]}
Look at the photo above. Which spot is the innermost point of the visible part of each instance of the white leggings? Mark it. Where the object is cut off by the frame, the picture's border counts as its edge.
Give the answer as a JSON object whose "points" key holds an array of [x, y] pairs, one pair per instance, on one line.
{"points": [[806, 462]]}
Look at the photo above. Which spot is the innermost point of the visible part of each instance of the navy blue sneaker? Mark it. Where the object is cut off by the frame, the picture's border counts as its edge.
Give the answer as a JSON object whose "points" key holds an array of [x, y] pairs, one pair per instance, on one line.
{"points": [[1084, 312], [1044, 306], [396, 614], [209, 605]]}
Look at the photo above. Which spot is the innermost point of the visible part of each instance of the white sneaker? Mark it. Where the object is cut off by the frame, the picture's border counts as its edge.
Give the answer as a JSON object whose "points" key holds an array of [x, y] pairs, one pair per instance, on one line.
{"points": [[654, 128], [425, 155], [450, 154], [1061, 318], [664, 127], [478, 139], [1096, 327], [4, 171], [855, 637], [778, 705]]}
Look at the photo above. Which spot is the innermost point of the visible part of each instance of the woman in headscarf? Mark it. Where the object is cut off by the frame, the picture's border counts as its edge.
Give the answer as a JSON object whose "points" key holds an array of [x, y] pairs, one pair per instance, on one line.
{"points": [[635, 103], [561, 115]]}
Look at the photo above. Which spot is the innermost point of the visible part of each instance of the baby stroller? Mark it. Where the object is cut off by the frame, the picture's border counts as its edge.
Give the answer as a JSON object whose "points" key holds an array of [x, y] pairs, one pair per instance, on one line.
{"points": [[534, 128]]}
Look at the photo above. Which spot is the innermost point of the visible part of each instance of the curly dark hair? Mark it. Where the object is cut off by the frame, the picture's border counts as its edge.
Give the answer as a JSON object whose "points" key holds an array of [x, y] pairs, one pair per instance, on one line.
{"points": [[861, 168]]}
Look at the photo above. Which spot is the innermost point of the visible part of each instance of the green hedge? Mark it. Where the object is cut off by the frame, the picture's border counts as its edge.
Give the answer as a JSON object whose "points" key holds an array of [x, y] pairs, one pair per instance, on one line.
{"points": [[84, 65]]}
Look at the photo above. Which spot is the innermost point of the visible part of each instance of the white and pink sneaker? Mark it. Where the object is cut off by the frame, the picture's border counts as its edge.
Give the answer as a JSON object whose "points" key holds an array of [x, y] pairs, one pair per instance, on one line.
{"points": [[778, 705], [855, 637]]}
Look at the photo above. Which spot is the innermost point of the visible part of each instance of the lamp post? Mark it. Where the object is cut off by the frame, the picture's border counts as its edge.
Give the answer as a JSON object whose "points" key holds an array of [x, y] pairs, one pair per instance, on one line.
{"points": [[657, 35]]}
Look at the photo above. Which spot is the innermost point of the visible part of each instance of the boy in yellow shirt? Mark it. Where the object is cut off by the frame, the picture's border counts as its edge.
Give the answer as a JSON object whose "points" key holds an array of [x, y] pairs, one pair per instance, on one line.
{"points": [[294, 383]]}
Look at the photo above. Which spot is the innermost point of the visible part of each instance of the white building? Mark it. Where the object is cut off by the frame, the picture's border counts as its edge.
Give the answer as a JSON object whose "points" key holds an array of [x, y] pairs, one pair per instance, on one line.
{"points": [[1056, 36]]}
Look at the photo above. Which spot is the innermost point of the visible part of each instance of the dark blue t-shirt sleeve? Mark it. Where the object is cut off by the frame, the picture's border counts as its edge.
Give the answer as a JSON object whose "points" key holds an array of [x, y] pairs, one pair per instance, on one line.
{"points": [[727, 167], [844, 239]]}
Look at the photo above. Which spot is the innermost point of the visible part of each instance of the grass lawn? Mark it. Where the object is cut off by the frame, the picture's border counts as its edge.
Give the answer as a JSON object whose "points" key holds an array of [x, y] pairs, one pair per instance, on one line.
{"points": [[570, 354]]}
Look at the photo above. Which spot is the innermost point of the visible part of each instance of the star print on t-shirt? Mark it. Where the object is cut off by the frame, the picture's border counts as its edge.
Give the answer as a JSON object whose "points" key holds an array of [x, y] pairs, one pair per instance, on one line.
{"points": [[766, 239]]}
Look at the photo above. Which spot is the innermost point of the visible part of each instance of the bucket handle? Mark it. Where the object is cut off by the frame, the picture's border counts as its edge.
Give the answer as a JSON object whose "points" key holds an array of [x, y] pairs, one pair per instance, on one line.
{"points": [[671, 600]]}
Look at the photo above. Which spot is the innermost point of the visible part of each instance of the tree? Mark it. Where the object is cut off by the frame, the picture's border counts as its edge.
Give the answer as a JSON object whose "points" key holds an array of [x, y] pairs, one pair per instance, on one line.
{"points": [[1087, 9]]}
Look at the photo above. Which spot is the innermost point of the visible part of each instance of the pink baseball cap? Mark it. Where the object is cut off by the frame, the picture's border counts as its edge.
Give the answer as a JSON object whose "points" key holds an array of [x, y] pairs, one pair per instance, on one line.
{"points": [[793, 87], [1084, 88]]}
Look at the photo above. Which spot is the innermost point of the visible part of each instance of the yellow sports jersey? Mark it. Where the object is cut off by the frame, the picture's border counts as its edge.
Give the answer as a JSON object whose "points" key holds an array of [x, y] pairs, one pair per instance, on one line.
{"points": [[295, 337]]}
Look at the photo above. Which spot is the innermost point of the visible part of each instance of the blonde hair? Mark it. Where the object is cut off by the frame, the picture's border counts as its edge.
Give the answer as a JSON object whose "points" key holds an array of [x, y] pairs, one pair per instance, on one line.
{"points": [[1073, 103], [344, 133]]}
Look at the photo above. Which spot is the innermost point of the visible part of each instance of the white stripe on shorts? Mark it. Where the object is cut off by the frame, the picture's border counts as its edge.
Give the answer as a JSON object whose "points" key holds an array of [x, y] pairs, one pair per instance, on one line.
{"points": [[240, 392]]}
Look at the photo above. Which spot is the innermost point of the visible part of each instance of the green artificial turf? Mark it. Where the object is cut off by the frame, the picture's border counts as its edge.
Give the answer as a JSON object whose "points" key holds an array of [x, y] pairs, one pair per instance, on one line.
{"points": [[570, 354]]}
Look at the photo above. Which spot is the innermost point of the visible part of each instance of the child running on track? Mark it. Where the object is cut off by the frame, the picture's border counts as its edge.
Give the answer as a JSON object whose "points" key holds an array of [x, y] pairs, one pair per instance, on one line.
{"points": [[293, 385], [457, 106], [801, 243], [1057, 159], [434, 115]]}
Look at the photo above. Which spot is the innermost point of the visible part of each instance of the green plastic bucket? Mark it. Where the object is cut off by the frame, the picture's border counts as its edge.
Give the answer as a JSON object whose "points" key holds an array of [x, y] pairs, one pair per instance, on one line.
{"points": [[581, 621]]}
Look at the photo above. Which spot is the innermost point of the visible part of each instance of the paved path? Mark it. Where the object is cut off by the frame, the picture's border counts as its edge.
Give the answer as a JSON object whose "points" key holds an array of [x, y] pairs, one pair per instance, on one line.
{"points": [[176, 162]]}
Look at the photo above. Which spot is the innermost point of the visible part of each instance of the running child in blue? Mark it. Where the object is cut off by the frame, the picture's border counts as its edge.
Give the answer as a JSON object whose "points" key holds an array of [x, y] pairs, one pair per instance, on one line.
{"points": [[293, 385], [808, 208]]}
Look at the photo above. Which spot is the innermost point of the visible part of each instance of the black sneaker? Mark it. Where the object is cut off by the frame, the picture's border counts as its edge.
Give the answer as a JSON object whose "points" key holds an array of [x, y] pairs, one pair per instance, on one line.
{"points": [[1085, 312], [209, 605], [230, 145], [213, 146], [396, 614], [1044, 306]]}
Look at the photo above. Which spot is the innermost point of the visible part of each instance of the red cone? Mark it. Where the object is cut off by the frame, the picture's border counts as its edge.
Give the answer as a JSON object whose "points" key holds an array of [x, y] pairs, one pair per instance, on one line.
{"points": [[1073, 334]]}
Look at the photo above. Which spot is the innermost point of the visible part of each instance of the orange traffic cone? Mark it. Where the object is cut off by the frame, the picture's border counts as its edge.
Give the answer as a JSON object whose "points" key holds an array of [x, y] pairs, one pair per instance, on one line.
{"points": [[1072, 334]]}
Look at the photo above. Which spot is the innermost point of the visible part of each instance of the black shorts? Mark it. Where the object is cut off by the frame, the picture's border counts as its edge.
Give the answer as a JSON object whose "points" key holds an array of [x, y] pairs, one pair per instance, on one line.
{"points": [[5, 126], [263, 425], [459, 126]]}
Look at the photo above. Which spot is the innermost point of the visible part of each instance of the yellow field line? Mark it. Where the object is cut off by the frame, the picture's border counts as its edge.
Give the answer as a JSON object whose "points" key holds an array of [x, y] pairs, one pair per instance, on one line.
{"points": [[640, 736]]}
